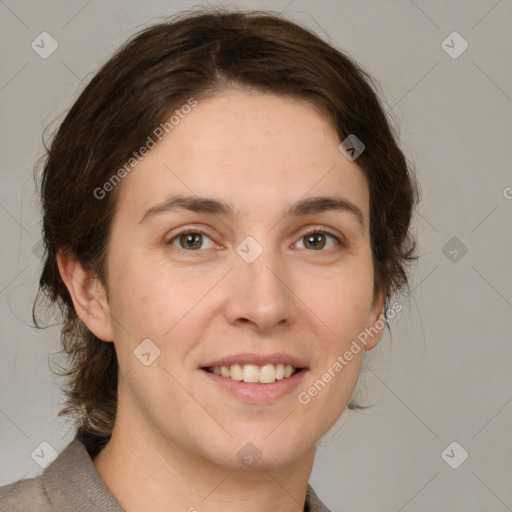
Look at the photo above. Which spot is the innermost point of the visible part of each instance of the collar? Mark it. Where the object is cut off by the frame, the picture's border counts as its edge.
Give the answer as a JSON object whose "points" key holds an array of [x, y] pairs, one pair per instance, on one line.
{"points": [[85, 490]]}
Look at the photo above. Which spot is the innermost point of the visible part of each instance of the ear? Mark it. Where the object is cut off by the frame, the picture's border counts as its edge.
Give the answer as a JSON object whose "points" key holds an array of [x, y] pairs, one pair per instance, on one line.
{"points": [[88, 295], [376, 323]]}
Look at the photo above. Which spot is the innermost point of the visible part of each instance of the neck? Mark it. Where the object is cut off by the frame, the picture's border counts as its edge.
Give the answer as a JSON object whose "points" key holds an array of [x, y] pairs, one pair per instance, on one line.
{"points": [[146, 472]]}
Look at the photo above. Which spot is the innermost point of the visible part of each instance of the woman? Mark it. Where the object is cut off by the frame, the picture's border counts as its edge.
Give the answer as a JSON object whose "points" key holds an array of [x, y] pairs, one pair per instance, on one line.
{"points": [[226, 213]]}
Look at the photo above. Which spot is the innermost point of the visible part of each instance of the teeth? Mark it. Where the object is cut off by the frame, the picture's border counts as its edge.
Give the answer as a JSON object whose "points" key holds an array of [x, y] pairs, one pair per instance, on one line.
{"points": [[250, 373], [265, 374], [236, 372]]}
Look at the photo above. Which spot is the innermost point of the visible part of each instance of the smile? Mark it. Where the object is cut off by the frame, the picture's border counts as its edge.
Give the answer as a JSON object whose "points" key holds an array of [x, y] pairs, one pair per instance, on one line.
{"points": [[265, 374]]}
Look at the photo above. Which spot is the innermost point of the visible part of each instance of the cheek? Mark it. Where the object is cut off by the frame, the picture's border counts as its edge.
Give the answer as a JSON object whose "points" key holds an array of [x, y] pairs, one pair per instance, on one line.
{"points": [[342, 301], [141, 292], [169, 307]]}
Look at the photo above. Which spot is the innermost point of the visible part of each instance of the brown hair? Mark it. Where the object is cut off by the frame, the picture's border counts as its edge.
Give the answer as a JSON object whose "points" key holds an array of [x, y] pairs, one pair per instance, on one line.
{"points": [[153, 73]]}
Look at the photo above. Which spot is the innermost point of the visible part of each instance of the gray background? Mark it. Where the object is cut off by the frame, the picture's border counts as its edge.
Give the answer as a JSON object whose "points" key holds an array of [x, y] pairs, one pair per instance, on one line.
{"points": [[445, 376]]}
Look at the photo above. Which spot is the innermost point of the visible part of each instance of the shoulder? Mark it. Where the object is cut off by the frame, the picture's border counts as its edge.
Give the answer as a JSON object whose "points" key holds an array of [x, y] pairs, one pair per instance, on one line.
{"points": [[24, 495], [70, 482], [313, 502]]}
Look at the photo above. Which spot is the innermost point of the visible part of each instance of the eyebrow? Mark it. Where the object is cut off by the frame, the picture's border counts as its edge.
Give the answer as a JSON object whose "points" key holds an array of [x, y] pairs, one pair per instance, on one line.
{"points": [[210, 206]]}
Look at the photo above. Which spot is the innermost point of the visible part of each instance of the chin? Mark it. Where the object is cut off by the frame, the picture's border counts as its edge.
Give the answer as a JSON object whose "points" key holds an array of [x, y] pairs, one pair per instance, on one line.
{"points": [[263, 450]]}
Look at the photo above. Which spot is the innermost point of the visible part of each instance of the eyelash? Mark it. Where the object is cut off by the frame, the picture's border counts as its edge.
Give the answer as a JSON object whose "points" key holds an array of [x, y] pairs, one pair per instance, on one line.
{"points": [[314, 231]]}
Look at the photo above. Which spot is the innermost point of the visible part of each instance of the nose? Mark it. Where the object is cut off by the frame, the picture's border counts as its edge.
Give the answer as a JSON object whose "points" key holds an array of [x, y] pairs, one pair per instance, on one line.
{"points": [[261, 293]]}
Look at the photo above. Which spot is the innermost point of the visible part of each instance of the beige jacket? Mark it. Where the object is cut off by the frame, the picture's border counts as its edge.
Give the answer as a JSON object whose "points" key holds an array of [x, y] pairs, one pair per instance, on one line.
{"points": [[71, 484]]}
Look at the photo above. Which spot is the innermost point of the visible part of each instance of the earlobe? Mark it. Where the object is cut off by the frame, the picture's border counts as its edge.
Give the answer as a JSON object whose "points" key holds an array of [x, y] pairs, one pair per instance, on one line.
{"points": [[88, 295], [377, 324]]}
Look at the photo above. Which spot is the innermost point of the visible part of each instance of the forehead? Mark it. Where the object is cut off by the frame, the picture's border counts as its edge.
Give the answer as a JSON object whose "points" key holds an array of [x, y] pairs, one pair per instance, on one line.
{"points": [[250, 148]]}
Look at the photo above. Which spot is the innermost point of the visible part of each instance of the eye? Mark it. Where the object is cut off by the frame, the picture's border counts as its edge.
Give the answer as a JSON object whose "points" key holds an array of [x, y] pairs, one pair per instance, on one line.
{"points": [[194, 240], [190, 240], [317, 239]]}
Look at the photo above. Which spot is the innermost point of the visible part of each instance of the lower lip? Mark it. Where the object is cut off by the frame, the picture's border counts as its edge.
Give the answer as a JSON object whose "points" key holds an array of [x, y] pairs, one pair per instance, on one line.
{"points": [[255, 393]]}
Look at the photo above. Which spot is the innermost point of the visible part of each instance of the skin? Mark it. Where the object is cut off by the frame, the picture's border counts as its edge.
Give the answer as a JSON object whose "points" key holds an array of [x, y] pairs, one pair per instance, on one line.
{"points": [[176, 437]]}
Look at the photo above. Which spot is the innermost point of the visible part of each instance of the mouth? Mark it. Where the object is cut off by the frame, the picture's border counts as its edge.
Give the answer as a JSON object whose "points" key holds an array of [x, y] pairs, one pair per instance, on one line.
{"points": [[254, 378], [255, 374]]}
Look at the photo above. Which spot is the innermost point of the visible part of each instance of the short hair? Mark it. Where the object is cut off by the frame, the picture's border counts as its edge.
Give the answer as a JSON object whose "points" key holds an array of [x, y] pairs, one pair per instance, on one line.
{"points": [[157, 70]]}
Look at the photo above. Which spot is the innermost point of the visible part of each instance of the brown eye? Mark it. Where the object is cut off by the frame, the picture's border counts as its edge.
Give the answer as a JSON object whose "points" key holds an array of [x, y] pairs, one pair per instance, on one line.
{"points": [[190, 240], [317, 240]]}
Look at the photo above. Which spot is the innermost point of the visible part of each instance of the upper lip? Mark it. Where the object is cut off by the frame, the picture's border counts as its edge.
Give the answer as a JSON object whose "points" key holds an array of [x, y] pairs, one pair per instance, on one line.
{"points": [[257, 359]]}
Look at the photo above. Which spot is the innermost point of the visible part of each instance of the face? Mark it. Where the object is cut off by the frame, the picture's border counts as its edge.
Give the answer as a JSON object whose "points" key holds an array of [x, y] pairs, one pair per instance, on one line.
{"points": [[252, 270]]}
